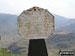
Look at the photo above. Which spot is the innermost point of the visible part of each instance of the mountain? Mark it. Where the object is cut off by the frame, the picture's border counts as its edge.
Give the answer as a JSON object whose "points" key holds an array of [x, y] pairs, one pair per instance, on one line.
{"points": [[60, 21], [62, 41], [8, 29], [68, 27], [8, 23]]}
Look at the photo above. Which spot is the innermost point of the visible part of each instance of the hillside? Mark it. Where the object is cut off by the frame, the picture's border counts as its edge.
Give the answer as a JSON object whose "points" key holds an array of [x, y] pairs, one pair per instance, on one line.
{"points": [[60, 21], [62, 41], [68, 27], [8, 29]]}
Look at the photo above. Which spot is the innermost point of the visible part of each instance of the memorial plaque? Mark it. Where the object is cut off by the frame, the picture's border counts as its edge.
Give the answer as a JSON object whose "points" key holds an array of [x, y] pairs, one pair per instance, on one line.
{"points": [[36, 23]]}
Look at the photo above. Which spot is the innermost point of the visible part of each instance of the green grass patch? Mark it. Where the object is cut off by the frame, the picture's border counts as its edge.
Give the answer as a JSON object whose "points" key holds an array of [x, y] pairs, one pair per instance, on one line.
{"points": [[6, 52]]}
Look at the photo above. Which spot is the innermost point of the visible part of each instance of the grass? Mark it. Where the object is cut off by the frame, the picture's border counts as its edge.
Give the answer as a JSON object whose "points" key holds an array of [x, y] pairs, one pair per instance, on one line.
{"points": [[6, 52]]}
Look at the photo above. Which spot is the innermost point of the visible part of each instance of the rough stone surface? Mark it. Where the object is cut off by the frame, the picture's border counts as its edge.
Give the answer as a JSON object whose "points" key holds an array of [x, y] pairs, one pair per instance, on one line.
{"points": [[36, 23]]}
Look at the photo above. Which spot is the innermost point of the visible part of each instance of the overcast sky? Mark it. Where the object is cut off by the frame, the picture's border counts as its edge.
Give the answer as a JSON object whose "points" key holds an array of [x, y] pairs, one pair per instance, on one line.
{"points": [[64, 8]]}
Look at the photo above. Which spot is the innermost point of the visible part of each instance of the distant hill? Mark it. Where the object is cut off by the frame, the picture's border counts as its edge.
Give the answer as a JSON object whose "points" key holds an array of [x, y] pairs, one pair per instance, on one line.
{"points": [[8, 23], [68, 27], [60, 21], [62, 41], [8, 29]]}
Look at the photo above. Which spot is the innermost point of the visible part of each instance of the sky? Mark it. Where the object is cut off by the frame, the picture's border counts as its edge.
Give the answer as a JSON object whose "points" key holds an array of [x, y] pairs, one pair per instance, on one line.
{"points": [[64, 8]]}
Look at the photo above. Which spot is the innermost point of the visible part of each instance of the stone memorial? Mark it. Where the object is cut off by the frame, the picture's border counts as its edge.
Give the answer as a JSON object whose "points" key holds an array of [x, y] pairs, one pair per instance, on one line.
{"points": [[36, 24]]}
